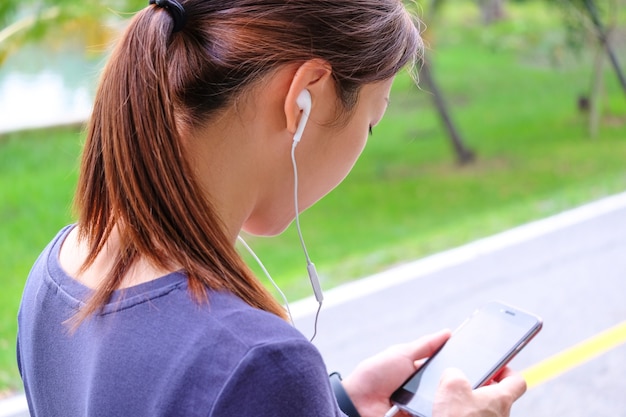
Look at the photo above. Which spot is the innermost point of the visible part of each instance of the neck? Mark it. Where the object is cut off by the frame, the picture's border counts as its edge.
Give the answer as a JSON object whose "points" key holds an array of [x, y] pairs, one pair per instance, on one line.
{"points": [[242, 161]]}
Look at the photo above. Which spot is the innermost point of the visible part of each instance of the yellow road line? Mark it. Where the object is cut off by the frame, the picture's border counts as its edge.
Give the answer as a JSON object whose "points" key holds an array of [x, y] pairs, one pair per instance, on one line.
{"points": [[576, 355]]}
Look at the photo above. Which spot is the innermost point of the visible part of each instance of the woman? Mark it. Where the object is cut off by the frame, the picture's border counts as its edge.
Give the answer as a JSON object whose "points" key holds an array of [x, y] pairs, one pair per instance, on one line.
{"points": [[144, 307]]}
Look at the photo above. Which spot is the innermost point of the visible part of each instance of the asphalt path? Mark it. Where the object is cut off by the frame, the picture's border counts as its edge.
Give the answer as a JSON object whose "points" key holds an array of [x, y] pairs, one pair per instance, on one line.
{"points": [[569, 269]]}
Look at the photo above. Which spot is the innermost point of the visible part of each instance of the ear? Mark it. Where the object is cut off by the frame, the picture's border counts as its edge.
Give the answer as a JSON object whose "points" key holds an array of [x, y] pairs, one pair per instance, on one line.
{"points": [[313, 75]]}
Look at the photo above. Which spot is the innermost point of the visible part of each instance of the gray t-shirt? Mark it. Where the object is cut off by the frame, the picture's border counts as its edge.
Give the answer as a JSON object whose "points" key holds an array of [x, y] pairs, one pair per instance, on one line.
{"points": [[153, 352]]}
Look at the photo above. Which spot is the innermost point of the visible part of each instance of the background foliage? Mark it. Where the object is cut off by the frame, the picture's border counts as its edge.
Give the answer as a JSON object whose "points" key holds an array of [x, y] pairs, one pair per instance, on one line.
{"points": [[513, 87]]}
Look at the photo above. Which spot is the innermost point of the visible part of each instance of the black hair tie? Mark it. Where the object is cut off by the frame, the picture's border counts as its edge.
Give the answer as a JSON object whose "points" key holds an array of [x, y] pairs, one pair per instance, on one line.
{"points": [[176, 10]]}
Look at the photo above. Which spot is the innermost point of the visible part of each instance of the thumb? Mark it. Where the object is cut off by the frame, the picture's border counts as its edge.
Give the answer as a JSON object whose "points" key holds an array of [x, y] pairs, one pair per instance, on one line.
{"points": [[454, 383], [454, 389], [513, 383], [454, 376]]}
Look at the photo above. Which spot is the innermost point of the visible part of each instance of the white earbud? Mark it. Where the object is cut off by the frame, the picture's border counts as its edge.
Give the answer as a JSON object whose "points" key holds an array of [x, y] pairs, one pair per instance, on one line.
{"points": [[304, 102]]}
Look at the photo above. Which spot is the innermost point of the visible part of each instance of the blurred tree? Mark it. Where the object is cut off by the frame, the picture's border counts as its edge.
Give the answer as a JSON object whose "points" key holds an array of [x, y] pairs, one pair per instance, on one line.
{"points": [[603, 35], [596, 18], [53, 21], [464, 155], [584, 17]]}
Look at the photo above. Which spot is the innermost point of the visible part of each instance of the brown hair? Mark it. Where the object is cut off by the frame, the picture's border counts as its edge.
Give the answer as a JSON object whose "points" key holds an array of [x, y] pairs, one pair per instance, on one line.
{"points": [[158, 83]]}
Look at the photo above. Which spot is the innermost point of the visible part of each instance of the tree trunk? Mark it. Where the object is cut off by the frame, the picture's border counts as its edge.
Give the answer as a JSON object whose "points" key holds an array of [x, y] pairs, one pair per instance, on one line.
{"points": [[602, 33], [597, 88], [463, 154]]}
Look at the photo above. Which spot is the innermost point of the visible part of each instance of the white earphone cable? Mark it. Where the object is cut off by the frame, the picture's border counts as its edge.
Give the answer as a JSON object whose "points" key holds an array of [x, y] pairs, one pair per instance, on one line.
{"points": [[392, 411], [295, 201], [269, 277], [310, 266]]}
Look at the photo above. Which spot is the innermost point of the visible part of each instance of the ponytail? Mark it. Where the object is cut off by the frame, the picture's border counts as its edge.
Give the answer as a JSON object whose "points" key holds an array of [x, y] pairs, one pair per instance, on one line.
{"points": [[135, 178]]}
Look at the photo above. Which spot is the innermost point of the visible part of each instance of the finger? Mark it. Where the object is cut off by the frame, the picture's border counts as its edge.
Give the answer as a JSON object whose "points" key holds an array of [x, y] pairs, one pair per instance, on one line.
{"points": [[425, 346], [514, 383], [418, 363]]}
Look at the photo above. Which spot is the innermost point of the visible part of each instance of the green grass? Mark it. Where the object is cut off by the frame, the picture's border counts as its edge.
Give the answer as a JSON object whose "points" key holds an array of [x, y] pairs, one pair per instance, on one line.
{"points": [[513, 93], [37, 178]]}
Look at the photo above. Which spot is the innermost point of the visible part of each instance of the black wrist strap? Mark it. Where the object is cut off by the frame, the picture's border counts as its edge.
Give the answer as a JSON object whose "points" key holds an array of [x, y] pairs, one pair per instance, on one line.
{"points": [[343, 400]]}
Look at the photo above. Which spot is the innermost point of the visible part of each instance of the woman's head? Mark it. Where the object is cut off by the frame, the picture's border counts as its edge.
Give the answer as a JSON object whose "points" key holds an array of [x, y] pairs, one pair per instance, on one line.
{"points": [[161, 84]]}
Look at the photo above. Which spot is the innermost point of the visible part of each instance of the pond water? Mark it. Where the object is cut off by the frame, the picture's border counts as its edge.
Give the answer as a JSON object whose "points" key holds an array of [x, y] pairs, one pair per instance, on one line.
{"points": [[46, 87]]}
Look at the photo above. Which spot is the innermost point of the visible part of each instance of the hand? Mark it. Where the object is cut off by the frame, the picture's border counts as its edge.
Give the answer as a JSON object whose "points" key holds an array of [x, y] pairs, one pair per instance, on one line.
{"points": [[455, 398], [375, 379]]}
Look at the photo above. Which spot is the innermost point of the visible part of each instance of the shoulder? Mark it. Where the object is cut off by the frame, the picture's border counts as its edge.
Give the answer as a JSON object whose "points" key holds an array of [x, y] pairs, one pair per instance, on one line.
{"points": [[282, 378], [249, 325], [233, 332], [249, 362], [273, 369]]}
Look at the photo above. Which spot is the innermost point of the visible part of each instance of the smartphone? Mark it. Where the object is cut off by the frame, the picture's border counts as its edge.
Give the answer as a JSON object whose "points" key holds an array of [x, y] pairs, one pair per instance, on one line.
{"points": [[480, 347]]}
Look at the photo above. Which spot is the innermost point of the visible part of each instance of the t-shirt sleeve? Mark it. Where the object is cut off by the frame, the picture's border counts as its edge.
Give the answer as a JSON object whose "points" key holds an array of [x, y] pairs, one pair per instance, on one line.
{"points": [[286, 379]]}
